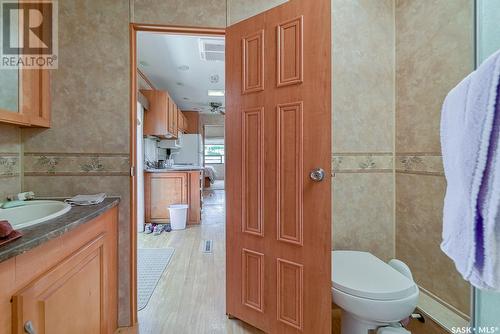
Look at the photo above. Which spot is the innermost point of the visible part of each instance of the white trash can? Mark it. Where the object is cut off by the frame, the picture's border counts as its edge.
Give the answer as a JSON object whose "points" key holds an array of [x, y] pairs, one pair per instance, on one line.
{"points": [[178, 216]]}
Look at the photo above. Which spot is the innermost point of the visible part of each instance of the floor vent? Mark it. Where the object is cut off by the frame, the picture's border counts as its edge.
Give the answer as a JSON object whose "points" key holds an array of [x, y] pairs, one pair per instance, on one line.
{"points": [[207, 246]]}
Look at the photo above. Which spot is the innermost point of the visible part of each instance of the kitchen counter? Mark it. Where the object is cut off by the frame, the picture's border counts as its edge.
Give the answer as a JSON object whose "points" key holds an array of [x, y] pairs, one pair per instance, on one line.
{"points": [[36, 235], [173, 170]]}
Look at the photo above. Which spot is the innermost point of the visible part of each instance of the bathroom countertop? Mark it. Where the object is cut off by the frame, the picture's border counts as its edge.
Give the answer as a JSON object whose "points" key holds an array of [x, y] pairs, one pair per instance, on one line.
{"points": [[36, 235]]}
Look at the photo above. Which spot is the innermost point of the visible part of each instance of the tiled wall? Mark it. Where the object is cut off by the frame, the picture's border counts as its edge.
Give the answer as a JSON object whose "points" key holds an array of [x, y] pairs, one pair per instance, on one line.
{"points": [[10, 160], [432, 55], [87, 148], [363, 124]]}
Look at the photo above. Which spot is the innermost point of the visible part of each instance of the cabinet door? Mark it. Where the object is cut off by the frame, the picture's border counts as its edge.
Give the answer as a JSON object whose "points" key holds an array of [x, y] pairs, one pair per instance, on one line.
{"points": [[155, 118], [36, 97], [171, 111], [180, 121], [69, 298], [194, 212], [166, 189], [175, 120], [184, 122]]}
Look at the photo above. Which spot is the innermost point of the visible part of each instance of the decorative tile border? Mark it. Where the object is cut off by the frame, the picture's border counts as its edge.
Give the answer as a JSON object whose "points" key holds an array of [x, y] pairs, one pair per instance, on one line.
{"points": [[57, 164], [420, 163], [76, 164], [9, 165], [362, 163]]}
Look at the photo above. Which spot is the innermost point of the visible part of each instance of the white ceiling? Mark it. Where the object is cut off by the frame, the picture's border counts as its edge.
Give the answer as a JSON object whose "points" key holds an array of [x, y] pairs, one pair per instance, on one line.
{"points": [[163, 59]]}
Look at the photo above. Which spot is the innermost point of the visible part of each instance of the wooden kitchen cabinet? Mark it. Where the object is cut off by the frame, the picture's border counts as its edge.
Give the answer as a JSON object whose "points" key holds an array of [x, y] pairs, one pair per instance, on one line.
{"points": [[182, 122], [156, 117], [172, 118], [160, 119], [176, 187], [192, 121], [162, 190], [66, 285]]}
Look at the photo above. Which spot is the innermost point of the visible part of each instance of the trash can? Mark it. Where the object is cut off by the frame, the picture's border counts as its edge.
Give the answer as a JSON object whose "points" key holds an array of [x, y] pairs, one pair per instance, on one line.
{"points": [[178, 216]]}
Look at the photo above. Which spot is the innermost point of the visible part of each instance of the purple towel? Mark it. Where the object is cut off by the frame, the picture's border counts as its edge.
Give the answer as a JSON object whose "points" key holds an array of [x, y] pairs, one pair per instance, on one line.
{"points": [[469, 140]]}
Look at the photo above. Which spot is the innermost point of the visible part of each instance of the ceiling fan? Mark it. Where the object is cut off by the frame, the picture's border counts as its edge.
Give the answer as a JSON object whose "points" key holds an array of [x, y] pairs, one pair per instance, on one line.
{"points": [[216, 107]]}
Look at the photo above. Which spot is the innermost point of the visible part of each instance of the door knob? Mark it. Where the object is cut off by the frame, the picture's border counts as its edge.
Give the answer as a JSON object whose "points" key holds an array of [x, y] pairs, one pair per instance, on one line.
{"points": [[317, 174], [28, 327]]}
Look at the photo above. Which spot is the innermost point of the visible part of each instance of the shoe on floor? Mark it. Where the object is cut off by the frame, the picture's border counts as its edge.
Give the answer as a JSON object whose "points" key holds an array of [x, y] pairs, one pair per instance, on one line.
{"points": [[148, 229], [158, 229]]}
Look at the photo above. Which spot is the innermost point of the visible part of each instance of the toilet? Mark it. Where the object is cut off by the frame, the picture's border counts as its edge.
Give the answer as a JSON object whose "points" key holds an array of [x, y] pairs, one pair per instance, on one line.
{"points": [[374, 296]]}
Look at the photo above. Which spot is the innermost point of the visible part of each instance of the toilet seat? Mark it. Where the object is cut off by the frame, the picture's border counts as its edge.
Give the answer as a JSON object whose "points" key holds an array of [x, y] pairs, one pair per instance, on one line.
{"points": [[363, 275]]}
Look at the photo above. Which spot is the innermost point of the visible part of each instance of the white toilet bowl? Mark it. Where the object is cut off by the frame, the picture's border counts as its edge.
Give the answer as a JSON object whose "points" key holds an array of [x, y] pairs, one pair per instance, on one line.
{"points": [[370, 292]]}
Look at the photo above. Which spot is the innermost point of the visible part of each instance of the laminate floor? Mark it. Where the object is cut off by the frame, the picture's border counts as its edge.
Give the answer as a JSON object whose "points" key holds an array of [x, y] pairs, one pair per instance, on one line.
{"points": [[190, 296]]}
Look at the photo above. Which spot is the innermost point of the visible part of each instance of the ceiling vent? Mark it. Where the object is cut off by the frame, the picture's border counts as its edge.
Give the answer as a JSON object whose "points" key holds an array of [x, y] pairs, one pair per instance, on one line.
{"points": [[212, 49]]}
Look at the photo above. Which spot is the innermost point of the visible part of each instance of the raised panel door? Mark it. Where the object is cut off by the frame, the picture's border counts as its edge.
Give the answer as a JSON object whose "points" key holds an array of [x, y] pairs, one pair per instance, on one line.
{"points": [[278, 130]]}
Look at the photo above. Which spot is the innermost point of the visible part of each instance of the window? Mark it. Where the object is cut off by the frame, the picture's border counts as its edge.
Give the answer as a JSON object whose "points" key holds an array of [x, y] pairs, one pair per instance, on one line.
{"points": [[214, 153]]}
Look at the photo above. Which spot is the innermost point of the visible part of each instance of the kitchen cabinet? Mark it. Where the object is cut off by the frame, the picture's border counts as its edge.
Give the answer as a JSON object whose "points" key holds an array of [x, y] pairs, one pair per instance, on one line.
{"points": [[31, 90], [172, 118], [192, 121], [161, 189], [160, 119], [66, 285], [182, 122]]}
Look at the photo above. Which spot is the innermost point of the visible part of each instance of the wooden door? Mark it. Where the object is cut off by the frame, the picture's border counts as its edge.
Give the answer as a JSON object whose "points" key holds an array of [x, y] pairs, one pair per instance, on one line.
{"points": [[162, 190], [278, 130], [70, 298]]}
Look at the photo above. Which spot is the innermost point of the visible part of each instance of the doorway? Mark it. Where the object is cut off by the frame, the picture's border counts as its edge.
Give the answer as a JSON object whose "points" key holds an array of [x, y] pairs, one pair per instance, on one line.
{"points": [[278, 158], [214, 156], [188, 293]]}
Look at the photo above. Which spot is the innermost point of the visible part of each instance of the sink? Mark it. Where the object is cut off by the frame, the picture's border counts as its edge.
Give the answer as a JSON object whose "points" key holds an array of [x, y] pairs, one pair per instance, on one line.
{"points": [[33, 212]]}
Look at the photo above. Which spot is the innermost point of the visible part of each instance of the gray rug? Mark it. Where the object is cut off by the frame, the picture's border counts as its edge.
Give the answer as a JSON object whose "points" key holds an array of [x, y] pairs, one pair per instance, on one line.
{"points": [[151, 263]]}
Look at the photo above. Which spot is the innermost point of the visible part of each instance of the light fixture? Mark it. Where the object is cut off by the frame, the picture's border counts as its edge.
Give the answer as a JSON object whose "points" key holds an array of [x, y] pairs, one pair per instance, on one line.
{"points": [[214, 78], [216, 92]]}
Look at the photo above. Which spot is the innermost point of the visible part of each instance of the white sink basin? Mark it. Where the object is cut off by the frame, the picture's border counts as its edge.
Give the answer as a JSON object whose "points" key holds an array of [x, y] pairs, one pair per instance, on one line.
{"points": [[33, 212]]}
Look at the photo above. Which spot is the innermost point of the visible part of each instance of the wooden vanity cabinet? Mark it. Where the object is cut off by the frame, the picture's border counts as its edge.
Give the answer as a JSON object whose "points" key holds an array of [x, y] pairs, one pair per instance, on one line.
{"points": [[163, 189], [67, 285]]}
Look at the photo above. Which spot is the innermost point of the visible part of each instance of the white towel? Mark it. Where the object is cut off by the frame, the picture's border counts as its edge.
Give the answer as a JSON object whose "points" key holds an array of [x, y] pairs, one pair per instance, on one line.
{"points": [[470, 206], [86, 199]]}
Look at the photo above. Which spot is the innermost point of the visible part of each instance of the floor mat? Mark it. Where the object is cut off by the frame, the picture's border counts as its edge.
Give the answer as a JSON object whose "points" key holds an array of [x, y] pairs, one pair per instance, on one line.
{"points": [[151, 263]]}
